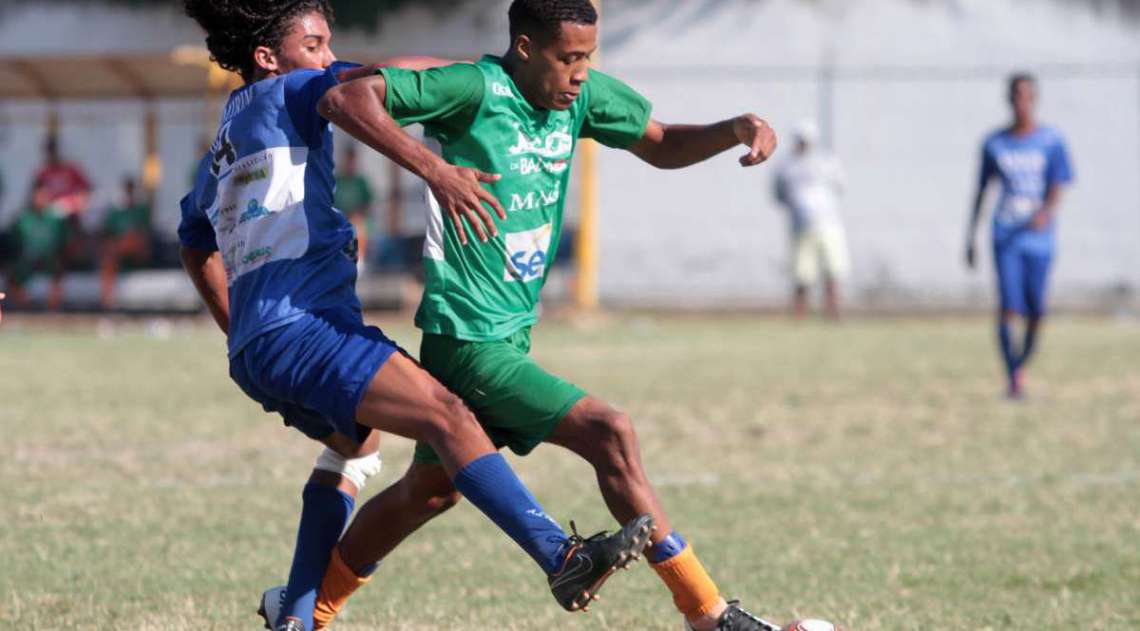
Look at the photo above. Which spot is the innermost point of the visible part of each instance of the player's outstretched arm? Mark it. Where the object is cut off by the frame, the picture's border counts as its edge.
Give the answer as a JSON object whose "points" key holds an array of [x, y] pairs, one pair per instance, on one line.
{"points": [[667, 146], [357, 107], [208, 274], [2, 297], [406, 62]]}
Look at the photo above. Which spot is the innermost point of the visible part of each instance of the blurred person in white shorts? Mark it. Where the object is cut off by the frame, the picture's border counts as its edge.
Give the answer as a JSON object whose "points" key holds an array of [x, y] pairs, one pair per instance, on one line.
{"points": [[809, 186]]}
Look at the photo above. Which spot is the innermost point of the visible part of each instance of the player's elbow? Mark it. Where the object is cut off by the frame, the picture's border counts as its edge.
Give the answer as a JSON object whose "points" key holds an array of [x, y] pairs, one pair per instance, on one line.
{"points": [[192, 258], [655, 156], [350, 96], [332, 103]]}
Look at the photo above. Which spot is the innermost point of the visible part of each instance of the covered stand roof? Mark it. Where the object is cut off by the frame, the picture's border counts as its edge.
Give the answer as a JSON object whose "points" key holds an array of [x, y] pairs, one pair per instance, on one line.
{"points": [[184, 72]]}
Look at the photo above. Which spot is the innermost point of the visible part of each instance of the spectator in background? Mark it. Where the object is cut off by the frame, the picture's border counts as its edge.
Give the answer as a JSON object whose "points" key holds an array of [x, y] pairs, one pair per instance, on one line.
{"points": [[353, 197], [63, 184], [40, 236], [809, 185], [126, 238], [66, 189], [1031, 162]]}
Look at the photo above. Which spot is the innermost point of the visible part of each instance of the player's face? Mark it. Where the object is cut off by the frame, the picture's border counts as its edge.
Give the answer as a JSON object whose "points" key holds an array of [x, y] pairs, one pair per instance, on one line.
{"points": [[559, 68], [305, 46], [1023, 98]]}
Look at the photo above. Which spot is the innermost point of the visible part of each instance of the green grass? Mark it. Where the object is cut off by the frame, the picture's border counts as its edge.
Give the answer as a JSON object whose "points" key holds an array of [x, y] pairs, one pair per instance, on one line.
{"points": [[868, 473]]}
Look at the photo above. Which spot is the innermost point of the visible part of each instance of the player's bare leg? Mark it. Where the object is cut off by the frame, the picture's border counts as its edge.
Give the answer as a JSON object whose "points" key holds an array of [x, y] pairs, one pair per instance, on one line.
{"points": [[401, 399], [424, 493], [404, 399], [605, 438], [1011, 358], [831, 297], [800, 302]]}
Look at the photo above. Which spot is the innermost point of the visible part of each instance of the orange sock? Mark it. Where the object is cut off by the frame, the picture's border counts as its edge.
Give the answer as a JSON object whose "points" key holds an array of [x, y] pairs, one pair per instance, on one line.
{"points": [[694, 592], [339, 583]]}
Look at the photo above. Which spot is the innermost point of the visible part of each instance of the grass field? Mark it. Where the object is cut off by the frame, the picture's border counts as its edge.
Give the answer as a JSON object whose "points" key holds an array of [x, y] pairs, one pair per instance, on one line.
{"points": [[868, 473]]}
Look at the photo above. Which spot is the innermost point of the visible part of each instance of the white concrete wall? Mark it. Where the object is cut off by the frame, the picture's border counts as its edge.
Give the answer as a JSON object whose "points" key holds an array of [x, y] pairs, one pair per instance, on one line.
{"points": [[917, 85]]}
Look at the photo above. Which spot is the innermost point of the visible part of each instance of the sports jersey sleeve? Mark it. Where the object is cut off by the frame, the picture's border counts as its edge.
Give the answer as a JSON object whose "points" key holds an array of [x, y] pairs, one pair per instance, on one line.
{"points": [[195, 230], [1059, 170], [303, 90], [616, 114], [447, 98]]}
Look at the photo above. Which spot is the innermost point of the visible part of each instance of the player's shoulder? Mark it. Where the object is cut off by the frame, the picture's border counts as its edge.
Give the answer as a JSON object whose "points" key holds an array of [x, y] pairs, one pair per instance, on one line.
{"points": [[996, 136], [1050, 135]]}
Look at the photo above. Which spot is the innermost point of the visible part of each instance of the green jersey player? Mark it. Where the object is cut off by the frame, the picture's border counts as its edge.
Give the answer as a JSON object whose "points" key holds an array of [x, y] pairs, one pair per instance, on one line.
{"points": [[520, 116]]}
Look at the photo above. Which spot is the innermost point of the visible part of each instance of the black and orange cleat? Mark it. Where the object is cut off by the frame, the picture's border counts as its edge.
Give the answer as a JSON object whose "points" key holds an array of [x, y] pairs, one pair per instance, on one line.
{"points": [[735, 618], [589, 562]]}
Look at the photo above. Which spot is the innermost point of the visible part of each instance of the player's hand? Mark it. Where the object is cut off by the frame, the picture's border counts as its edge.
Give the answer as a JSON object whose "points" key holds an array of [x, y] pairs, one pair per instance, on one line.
{"points": [[460, 193], [754, 133], [1040, 220], [971, 255]]}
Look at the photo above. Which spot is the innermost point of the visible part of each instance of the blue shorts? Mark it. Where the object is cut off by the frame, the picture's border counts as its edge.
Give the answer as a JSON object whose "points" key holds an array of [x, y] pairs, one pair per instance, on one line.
{"points": [[1022, 274], [314, 371]]}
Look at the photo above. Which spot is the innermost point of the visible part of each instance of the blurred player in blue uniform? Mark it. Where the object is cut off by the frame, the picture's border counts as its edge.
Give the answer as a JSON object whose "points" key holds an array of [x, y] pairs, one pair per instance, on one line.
{"points": [[1032, 164]]}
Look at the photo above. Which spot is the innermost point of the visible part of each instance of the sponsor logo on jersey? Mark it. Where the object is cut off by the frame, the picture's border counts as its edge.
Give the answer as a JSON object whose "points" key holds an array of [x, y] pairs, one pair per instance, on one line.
{"points": [[1019, 162], [257, 255], [527, 253], [499, 89], [251, 175], [534, 200], [253, 210], [550, 153]]}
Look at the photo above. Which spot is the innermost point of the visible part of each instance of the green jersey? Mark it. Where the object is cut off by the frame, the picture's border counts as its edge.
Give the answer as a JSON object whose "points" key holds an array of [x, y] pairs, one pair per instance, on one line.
{"points": [[487, 291], [353, 195], [121, 220]]}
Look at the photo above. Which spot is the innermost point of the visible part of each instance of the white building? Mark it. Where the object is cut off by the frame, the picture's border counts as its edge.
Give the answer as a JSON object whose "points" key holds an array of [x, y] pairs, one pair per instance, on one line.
{"points": [[905, 91]]}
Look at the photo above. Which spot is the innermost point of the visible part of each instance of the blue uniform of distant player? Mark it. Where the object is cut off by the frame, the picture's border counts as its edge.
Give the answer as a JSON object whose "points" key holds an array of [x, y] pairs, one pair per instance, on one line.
{"points": [[1032, 164], [1027, 166]]}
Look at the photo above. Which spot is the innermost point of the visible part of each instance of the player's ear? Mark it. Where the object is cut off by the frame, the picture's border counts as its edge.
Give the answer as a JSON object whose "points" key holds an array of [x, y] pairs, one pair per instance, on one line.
{"points": [[265, 58], [524, 47]]}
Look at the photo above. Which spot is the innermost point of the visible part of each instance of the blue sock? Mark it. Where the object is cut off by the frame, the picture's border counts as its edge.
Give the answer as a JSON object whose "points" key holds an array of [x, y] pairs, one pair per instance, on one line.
{"points": [[490, 484], [325, 512], [1008, 355], [669, 547]]}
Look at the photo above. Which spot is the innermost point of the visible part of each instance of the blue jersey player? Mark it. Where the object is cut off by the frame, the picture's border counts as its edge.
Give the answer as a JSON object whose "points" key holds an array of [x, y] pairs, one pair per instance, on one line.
{"points": [[276, 265], [1031, 163]]}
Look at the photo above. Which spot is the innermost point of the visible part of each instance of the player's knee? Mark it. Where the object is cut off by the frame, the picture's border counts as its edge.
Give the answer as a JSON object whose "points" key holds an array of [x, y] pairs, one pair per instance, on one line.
{"points": [[438, 504], [427, 500], [450, 419], [356, 470], [616, 439]]}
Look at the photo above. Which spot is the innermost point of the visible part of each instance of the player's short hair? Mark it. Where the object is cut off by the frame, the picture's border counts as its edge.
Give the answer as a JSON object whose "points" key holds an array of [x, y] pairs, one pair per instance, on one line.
{"points": [[542, 19], [1018, 78], [235, 28]]}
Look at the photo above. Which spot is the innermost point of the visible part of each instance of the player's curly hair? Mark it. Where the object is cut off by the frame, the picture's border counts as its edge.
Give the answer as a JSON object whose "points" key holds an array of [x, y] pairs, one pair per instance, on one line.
{"points": [[543, 19], [235, 28]]}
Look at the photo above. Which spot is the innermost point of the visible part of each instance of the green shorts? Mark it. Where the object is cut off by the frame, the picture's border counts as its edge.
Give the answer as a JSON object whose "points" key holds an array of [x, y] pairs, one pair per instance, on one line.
{"points": [[517, 402]]}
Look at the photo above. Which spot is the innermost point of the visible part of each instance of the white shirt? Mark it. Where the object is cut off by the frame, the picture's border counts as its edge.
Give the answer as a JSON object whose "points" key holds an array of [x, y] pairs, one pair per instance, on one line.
{"points": [[810, 185]]}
